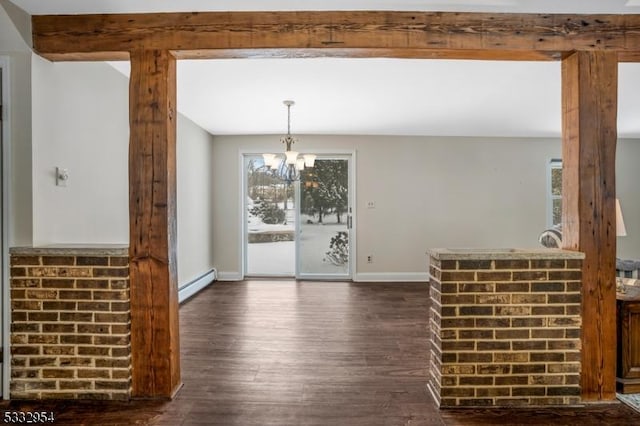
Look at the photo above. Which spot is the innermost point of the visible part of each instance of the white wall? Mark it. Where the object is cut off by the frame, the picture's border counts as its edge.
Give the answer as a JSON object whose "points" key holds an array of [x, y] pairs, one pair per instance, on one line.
{"points": [[428, 191], [81, 122], [195, 201], [628, 192], [425, 190], [13, 47]]}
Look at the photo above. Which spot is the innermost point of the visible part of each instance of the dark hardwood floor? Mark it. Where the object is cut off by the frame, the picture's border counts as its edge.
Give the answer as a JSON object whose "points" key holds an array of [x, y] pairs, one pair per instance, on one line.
{"points": [[309, 353]]}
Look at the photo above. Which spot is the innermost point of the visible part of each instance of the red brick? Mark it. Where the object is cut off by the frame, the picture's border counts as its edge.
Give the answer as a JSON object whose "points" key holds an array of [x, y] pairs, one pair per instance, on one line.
{"points": [[111, 295], [43, 316], [522, 287], [76, 316], [58, 328], [494, 276], [58, 260], [77, 361], [24, 282], [547, 264], [512, 264], [574, 264], [547, 287], [565, 275], [511, 380], [25, 260], [18, 294], [57, 373], [458, 276], [57, 283], [43, 338], [477, 288], [18, 272], [42, 271], [564, 298], [111, 317], [59, 306], [93, 261], [75, 295], [528, 345], [94, 306], [93, 373], [529, 275], [76, 384], [42, 361], [493, 346], [119, 261], [26, 305], [476, 310], [447, 264], [25, 350], [474, 264], [92, 284], [25, 328], [74, 272], [120, 306], [547, 357], [17, 316], [110, 272], [93, 350]]}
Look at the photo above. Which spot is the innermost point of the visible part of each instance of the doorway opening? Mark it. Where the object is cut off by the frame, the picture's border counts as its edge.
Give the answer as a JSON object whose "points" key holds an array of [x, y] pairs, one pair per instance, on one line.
{"points": [[302, 229]]}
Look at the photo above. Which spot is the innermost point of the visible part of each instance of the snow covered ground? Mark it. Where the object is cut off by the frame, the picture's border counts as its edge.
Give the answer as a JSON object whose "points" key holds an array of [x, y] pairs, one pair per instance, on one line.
{"points": [[278, 258]]}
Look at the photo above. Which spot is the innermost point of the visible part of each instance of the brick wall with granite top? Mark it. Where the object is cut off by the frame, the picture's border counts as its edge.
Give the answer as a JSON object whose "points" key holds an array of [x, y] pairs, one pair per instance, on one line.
{"points": [[70, 323], [505, 328]]}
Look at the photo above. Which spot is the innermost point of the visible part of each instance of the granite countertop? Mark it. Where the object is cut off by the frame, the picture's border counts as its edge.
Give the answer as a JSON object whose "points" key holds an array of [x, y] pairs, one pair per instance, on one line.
{"points": [[502, 253], [73, 250]]}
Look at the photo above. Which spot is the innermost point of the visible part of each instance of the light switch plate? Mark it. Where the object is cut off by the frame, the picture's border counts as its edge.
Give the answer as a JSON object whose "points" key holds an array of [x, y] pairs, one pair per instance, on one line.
{"points": [[62, 176]]}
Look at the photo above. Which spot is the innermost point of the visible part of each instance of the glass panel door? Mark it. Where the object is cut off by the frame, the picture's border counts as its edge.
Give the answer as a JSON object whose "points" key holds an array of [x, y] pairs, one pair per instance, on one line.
{"points": [[324, 223], [270, 214]]}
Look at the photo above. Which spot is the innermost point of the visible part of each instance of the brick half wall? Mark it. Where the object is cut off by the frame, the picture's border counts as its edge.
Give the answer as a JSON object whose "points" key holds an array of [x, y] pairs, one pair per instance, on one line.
{"points": [[505, 328], [70, 323]]}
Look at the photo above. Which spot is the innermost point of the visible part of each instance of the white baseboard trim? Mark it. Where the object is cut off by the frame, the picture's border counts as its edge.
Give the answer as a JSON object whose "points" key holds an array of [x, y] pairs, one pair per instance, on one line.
{"points": [[391, 276], [358, 277], [230, 276], [196, 285]]}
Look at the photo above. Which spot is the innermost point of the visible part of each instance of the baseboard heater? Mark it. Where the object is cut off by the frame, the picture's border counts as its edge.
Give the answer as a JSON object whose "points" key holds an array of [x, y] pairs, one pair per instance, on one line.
{"points": [[194, 286]]}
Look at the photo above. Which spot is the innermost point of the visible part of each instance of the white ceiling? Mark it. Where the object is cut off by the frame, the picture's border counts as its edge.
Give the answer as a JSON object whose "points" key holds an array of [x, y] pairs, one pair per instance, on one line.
{"points": [[39, 7], [374, 96]]}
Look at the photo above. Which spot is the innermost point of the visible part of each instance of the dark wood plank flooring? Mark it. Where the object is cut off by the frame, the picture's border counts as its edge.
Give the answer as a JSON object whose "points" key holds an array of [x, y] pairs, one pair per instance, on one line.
{"points": [[309, 353]]}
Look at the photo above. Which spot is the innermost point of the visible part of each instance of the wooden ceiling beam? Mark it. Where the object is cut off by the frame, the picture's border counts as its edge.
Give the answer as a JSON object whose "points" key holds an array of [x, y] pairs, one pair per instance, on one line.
{"points": [[368, 33], [367, 53]]}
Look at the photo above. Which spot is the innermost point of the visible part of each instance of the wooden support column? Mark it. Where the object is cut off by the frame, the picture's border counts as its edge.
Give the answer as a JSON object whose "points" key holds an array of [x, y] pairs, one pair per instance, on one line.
{"points": [[589, 121], [152, 210]]}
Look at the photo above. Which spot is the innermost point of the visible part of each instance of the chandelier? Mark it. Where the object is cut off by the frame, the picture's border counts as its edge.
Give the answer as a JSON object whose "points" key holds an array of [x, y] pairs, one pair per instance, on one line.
{"points": [[289, 169]]}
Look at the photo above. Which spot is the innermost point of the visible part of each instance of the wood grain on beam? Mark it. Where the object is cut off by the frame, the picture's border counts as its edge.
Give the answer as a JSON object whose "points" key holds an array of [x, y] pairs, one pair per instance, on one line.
{"points": [[367, 53], [629, 56], [589, 111], [437, 31], [152, 209]]}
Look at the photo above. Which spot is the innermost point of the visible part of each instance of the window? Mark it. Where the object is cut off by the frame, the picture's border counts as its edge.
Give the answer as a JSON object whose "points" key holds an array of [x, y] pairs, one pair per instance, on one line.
{"points": [[554, 193]]}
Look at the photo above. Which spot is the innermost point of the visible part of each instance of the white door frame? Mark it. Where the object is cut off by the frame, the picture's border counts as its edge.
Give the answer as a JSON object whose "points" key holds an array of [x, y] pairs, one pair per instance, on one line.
{"points": [[350, 156], [5, 311], [245, 217]]}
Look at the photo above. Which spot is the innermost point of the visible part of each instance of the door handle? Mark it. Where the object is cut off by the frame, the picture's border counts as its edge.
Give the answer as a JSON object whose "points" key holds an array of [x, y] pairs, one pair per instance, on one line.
{"points": [[349, 222]]}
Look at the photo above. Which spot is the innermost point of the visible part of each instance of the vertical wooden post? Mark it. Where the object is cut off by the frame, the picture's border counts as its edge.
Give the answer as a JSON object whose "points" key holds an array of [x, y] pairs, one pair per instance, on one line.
{"points": [[152, 209], [589, 112]]}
